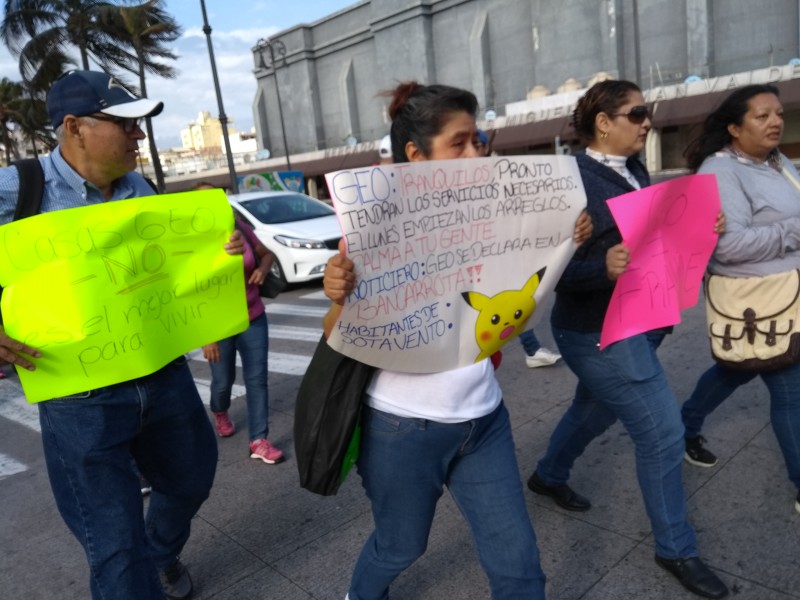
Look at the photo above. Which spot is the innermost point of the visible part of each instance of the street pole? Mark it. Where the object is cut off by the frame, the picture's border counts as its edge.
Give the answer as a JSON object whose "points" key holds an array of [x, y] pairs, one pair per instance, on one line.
{"points": [[271, 45], [223, 120]]}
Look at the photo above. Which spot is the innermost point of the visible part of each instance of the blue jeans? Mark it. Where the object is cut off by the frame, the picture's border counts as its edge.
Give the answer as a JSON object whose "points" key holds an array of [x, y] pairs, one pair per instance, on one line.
{"points": [[88, 441], [626, 382], [716, 384], [404, 465], [253, 347], [530, 343]]}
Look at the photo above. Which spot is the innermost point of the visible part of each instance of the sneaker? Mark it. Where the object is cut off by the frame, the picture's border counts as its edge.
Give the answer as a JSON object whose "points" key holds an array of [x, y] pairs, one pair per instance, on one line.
{"points": [[176, 581], [263, 450], [697, 455], [145, 485], [542, 358], [2, 375], [223, 424], [797, 502]]}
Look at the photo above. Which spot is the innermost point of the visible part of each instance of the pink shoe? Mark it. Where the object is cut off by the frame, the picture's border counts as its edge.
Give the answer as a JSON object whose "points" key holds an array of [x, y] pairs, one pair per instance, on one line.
{"points": [[263, 450], [2, 375], [223, 424]]}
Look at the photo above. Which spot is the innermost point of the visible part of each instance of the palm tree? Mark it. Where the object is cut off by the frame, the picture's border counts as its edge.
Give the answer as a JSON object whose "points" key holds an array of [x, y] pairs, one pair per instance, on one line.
{"points": [[43, 32], [11, 106], [147, 28]]}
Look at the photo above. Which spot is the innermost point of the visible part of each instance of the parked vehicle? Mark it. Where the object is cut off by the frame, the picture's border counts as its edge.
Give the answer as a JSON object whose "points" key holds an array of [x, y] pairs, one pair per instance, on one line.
{"points": [[300, 231]]}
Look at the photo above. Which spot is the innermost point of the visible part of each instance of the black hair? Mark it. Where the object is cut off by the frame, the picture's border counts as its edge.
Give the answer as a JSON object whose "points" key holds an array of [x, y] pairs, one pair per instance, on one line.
{"points": [[603, 97], [714, 134], [419, 112]]}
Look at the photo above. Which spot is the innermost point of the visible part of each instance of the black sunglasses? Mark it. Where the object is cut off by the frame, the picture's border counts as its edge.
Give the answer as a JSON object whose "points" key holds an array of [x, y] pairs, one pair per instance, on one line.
{"points": [[636, 115], [128, 124]]}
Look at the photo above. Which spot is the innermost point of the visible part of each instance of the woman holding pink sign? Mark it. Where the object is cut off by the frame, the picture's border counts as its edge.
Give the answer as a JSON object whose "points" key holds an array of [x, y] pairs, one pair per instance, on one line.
{"points": [[624, 381], [760, 193]]}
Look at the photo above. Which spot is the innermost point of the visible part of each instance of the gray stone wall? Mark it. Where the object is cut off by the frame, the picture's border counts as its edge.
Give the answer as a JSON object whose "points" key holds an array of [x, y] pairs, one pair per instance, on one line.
{"points": [[335, 68]]}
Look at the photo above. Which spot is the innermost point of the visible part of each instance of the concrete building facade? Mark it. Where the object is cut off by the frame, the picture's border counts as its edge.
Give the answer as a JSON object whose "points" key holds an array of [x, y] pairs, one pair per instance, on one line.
{"points": [[511, 54]]}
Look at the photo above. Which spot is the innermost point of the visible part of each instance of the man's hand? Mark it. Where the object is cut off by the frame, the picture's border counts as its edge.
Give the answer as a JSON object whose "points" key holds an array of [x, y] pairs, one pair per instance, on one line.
{"points": [[12, 351]]}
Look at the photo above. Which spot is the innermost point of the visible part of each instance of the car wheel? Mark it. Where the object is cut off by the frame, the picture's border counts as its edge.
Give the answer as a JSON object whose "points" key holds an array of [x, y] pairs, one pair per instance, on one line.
{"points": [[277, 270]]}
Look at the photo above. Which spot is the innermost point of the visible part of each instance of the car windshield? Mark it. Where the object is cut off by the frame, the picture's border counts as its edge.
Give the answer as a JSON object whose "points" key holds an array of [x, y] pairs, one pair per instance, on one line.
{"points": [[285, 208]]}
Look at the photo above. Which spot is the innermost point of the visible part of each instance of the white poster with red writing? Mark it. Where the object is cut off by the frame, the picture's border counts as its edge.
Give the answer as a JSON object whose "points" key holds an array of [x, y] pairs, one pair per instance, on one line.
{"points": [[451, 257]]}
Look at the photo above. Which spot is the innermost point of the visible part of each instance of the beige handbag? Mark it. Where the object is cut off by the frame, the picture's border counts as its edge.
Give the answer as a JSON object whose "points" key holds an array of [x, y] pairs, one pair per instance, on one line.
{"points": [[754, 322]]}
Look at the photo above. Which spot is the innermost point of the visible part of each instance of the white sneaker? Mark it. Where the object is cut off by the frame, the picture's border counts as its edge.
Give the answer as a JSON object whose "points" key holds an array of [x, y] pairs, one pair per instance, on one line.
{"points": [[542, 358]]}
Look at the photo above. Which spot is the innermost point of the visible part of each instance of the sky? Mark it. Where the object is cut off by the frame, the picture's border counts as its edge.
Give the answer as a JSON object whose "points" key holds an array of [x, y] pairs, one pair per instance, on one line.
{"points": [[236, 26]]}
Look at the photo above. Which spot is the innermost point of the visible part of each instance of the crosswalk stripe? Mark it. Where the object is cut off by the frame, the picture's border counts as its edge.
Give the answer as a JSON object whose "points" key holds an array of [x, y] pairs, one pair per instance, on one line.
{"points": [[204, 389], [319, 295], [9, 466], [15, 407], [296, 311], [303, 334], [277, 362]]}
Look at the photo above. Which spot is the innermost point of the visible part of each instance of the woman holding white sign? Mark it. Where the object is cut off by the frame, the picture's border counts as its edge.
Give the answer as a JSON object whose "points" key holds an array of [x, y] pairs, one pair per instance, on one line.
{"points": [[760, 193], [625, 381], [421, 432]]}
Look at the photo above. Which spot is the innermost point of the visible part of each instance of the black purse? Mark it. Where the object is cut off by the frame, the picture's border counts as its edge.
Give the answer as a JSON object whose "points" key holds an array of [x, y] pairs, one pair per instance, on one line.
{"points": [[326, 418], [271, 286]]}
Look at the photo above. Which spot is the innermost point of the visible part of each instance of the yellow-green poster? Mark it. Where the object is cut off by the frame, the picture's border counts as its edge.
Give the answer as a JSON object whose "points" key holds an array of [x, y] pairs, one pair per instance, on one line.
{"points": [[115, 291]]}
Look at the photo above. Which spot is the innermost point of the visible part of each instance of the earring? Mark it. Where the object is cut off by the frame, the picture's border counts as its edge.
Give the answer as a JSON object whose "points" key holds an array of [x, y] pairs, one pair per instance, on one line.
{"points": [[603, 135]]}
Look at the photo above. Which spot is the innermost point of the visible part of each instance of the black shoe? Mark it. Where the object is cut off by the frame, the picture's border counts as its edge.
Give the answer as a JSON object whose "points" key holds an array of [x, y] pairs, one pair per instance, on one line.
{"points": [[564, 496], [176, 581], [697, 455], [695, 576]]}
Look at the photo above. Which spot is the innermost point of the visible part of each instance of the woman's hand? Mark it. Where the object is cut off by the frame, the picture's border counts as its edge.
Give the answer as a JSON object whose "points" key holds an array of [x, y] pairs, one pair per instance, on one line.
{"points": [[583, 228], [257, 277], [719, 225], [211, 352], [340, 278], [617, 259], [236, 244]]}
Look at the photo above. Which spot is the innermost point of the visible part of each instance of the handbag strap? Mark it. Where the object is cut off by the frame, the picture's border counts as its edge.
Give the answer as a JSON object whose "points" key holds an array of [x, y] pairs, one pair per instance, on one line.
{"points": [[789, 176]]}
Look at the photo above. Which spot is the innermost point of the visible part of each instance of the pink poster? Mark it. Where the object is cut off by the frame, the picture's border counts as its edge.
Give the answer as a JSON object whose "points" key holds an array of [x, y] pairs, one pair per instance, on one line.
{"points": [[669, 230]]}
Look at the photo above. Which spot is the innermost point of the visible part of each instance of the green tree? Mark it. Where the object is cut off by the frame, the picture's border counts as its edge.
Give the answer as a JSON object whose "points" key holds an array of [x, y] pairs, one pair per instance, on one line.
{"points": [[147, 29], [11, 112], [42, 33]]}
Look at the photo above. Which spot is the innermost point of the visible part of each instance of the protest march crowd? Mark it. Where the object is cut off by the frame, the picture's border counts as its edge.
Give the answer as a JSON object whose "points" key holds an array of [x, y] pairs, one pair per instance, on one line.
{"points": [[420, 432]]}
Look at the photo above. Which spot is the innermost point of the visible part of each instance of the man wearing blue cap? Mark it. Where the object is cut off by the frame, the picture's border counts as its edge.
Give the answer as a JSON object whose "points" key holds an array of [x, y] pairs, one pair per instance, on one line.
{"points": [[159, 420]]}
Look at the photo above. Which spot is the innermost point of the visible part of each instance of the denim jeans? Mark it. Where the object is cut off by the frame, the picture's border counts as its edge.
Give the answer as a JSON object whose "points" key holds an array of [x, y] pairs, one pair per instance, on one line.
{"points": [[404, 465], [89, 440], [530, 343], [626, 382], [716, 384], [253, 347]]}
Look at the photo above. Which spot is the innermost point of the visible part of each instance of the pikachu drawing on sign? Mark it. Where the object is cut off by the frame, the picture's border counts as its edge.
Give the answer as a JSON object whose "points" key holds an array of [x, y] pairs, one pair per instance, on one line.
{"points": [[502, 316]]}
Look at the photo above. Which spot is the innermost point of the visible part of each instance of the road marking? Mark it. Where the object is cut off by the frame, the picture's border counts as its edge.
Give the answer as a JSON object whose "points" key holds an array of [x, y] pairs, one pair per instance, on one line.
{"points": [[204, 389], [296, 311], [8, 466], [15, 407], [320, 295], [303, 334], [277, 362]]}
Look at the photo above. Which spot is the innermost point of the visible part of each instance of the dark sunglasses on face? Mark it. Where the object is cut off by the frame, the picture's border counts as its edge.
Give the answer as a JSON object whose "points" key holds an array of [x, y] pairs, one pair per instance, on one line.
{"points": [[636, 115], [127, 124]]}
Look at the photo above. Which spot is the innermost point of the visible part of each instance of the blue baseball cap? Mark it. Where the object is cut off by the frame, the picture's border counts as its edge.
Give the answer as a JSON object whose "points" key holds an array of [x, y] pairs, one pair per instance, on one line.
{"points": [[82, 93]]}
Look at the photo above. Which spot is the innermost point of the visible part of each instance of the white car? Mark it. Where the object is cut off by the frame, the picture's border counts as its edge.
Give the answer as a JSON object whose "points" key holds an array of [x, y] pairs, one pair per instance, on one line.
{"points": [[302, 233]]}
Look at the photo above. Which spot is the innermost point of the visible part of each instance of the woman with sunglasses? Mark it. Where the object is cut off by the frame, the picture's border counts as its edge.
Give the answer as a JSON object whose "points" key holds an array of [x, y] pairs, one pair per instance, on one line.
{"points": [[625, 381], [760, 192]]}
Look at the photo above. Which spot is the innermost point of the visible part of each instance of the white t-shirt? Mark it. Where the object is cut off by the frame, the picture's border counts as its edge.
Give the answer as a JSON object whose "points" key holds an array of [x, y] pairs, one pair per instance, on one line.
{"points": [[448, 397]]}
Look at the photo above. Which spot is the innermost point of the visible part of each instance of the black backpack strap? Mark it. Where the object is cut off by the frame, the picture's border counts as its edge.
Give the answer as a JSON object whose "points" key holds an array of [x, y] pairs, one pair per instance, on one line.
{"points": [[31, 188]]}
